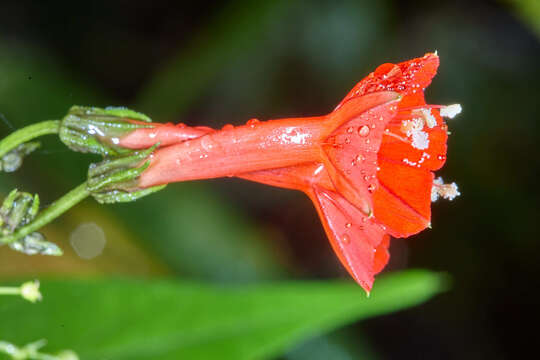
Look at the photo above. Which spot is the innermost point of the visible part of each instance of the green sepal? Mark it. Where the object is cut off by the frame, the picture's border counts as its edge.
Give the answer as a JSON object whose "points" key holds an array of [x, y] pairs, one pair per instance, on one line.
{"points": [[120, 111], [118, 196], [116, 179], [96, 130]]}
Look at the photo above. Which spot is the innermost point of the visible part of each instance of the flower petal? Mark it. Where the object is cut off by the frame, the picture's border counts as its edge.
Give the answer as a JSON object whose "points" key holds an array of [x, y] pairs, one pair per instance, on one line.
{"points": [[408, 77], [354, 238], [396, 150], [402, 202], [352, 151], [382, 255]]}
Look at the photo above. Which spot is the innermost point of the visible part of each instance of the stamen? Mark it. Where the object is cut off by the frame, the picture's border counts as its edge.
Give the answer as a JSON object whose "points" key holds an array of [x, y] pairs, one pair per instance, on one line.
{"points": [[389, 133], [429, 118], [419, 107], [446, 191], [451, 111], [413, 128]]}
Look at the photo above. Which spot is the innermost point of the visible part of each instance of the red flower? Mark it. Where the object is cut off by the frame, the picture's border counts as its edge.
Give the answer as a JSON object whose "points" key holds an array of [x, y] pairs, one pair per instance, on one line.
{"points": [[367, 166]]}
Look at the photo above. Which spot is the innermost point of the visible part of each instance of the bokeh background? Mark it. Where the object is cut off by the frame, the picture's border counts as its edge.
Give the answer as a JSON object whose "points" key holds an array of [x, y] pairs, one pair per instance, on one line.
{"points": [[212, 63]]}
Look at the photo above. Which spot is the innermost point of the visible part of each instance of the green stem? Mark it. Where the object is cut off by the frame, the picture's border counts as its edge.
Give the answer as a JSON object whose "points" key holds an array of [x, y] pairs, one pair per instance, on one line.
{"points": [[25, 134], [52, 212], [10, 290]]}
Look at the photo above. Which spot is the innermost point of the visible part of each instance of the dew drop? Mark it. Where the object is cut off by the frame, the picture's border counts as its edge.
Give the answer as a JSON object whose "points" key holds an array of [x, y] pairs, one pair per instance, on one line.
{"points": [[360, 157], [347, 141], [350, 130], [363, 131], [348, 225], [387, 70], [345, 238], [252, 122], [371, 188], [227, 127], [441, 157]]}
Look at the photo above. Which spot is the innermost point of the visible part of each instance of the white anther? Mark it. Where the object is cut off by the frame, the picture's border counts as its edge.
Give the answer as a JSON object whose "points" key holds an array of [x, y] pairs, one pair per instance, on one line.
{"points": [[451, 111], [430, 120], [446, 191]]}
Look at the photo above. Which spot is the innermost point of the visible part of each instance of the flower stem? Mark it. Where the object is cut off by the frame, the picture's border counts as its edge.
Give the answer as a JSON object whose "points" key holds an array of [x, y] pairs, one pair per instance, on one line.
{"points": [[25, 134], [10, 290], [52, 212]]}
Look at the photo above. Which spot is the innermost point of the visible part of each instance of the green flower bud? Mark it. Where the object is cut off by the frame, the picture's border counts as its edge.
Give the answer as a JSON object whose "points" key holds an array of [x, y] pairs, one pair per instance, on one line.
{"points": [[35, 243], [116, 179], [30, 291], [98, 131], [14, 159], [18, 209]]}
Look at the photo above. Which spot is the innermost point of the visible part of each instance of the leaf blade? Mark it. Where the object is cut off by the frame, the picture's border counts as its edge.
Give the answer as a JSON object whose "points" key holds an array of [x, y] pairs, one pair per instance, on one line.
{"points": [[137, 319]]}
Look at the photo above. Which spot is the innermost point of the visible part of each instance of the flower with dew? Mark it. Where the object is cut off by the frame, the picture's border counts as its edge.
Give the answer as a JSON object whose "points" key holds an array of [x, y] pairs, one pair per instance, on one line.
{"points": [[367, 166]]}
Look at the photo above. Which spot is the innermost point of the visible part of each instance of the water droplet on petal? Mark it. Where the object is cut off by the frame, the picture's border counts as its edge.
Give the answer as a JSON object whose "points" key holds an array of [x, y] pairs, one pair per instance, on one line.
{"points": [[252, 122], [348, 225], [345, 238], [371, 188], [227, 127], [363, 131], [387, 70], [350, 130]]}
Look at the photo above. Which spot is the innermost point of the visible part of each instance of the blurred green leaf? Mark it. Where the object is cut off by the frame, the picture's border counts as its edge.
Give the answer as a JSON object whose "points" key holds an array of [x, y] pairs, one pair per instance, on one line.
{"points": [[135, 319], [240, 25], [529, 11], [199, 235]]}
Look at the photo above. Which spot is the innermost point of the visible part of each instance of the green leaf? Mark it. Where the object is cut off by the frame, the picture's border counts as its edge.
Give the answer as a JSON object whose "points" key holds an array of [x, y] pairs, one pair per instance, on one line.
{"points": [[136, 319]]}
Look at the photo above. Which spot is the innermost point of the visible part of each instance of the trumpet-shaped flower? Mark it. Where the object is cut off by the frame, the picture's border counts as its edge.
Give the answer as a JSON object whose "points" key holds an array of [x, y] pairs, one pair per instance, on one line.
{"points": [[367, 166]]}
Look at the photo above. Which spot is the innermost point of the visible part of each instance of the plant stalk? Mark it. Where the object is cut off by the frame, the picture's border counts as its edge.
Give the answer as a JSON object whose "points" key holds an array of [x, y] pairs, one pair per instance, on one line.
{"points": [[28, 133]]}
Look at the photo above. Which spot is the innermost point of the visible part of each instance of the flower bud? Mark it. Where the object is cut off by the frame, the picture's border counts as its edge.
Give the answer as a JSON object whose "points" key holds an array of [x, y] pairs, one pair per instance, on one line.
{"points": [[30, 291], [18, 209], [116, 179], [98, 131], [13, 159], [35, 243]]}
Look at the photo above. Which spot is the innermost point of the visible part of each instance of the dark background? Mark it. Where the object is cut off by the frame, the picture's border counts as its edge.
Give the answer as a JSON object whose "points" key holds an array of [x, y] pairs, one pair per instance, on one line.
{"points": [[276, 59]]}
